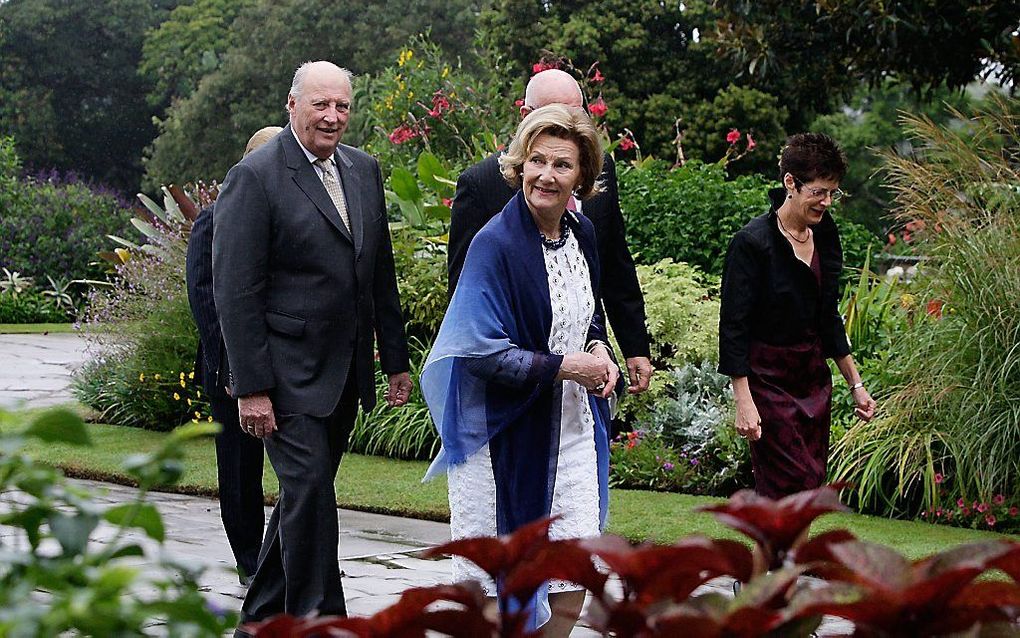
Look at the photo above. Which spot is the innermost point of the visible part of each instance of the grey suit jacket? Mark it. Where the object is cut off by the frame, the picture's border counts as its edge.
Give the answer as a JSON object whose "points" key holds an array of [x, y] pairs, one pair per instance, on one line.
{"points": [[301, 298]]}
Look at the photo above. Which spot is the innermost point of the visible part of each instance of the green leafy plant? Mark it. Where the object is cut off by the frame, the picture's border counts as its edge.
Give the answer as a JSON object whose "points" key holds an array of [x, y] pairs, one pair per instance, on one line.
{"points": [[404, 433], [53, 581], [953, 412], [139, 327]]}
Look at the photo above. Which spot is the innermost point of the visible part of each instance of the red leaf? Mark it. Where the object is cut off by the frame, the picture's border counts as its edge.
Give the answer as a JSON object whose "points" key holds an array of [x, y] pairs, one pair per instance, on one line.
{"points": [[563, 560], [775, 525], [188, 208]]}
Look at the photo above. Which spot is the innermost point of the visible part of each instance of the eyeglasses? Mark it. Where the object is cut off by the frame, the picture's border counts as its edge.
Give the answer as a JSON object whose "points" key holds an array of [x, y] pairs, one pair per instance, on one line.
{"points": [[821, 193]]}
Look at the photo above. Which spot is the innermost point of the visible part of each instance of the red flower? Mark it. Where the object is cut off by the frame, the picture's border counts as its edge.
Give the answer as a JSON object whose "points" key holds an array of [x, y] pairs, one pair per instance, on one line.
{"points": [[540, 66], [447, 202], [403, 133], [907, 237], [935, 308], [598, 108], [892, 239], [750, 142], [733, 136], [626, 144], [598, 77], [1013, 511], [519, 102], [938, 478], [439, 104], [990, 519]]}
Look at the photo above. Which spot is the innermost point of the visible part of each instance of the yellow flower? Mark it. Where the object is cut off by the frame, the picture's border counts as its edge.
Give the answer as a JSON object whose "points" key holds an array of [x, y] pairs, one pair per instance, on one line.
{"points": [[410, 95], [198, 393], [194, 420], [198, 415], [446, 72], [156, 376], [177, 397], [191, 375], [182, 375], [184, 383], [189, 402], [209, 419], [141, 376]]}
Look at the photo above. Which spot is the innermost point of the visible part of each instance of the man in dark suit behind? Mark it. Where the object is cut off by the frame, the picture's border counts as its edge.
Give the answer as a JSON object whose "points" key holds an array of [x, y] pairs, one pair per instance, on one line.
{"points": [[482, 192], [304, 280], [239, 457]]}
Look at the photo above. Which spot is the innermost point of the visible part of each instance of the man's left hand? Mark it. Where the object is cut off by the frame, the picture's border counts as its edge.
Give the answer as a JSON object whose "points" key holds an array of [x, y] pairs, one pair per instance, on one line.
{"points": [[399, 391], [639, 369]]}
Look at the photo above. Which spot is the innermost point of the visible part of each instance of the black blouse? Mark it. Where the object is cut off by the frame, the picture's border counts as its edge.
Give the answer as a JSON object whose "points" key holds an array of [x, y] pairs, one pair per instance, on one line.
{"points": [[770, 296]]}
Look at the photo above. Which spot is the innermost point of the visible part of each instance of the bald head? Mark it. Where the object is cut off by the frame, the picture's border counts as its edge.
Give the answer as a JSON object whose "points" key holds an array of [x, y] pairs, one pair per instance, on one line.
{"points": [[551, 86], [320, 70]]}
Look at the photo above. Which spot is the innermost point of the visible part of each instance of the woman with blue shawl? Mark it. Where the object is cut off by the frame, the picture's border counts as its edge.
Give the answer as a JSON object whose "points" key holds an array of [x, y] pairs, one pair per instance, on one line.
{"points": [[518, 378]]}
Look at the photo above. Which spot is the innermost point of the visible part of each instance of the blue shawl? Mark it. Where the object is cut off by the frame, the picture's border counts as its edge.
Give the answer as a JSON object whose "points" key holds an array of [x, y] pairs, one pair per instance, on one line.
{"points": [[490, 378]]}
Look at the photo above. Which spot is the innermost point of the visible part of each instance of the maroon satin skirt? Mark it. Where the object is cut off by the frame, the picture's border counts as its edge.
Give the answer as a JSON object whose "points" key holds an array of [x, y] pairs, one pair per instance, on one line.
{"points": [[792, 388]]}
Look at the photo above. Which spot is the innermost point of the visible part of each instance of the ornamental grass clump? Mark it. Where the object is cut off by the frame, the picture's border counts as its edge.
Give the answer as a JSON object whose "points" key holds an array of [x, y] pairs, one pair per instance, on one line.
{"points": [[953, 410]]}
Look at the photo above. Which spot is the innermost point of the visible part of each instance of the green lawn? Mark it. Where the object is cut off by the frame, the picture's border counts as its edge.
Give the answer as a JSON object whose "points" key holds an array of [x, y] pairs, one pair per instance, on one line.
{"points": [[34, 328], [394, 487]]}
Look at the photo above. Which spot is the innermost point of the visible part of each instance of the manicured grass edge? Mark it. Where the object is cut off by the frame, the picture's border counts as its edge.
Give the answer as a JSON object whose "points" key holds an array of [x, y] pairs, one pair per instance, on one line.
{"points": [[36, 328]]}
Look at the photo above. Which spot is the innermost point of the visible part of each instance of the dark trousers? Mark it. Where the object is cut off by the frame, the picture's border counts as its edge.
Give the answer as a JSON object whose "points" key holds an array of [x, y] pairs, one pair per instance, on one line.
{"points": [[299, 570], [239, 463]]}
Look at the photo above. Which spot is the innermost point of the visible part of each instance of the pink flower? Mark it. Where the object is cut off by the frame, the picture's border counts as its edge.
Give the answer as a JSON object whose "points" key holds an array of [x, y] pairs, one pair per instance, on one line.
{"points": [[892, 239], [733, 136], [598, 108], [447, 202], [983, 507], [1013, 511], [960, 502], [990, 519], [999, 499], [519, 102], [938, 478], [750, 142], [626, 144], [598, 77]]}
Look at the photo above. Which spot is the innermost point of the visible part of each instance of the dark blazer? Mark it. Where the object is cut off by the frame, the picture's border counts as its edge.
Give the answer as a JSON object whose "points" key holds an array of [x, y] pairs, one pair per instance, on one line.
{"points": [[300, 298], [482, 192], [210, 362]]}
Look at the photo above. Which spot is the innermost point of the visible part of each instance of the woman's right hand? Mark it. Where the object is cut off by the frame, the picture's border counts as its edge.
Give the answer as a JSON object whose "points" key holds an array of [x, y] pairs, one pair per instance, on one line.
{"points": [[586, 369], [748, 421]]}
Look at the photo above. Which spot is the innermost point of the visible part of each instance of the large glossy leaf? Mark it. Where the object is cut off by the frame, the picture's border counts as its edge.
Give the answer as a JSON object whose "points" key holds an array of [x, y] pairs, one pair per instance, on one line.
{"points": [[561, 560], [431, 171], [59, 425], [437, 212], [405, 185], [143, 516]]}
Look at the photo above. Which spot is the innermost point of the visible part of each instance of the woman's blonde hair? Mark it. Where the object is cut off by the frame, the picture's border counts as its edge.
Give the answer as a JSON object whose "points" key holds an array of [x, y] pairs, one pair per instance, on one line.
{"points": [[565, 122]]}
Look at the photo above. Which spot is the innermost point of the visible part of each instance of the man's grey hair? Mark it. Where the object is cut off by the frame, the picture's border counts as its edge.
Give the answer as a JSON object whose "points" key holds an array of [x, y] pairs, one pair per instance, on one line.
{"points": [[299, 76]]}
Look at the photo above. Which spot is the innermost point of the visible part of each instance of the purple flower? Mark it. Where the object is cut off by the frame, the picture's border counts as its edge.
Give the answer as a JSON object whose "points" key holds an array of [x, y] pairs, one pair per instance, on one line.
{"points": [[667, 466], [694, 461]]}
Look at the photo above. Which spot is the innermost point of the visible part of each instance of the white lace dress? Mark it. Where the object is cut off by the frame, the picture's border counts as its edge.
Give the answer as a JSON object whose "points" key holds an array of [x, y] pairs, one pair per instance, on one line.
{"points": [[576, 490]]}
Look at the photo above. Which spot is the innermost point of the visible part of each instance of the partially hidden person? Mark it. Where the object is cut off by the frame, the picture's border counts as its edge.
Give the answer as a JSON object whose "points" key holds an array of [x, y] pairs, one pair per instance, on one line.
{"points": [[239, 457]]}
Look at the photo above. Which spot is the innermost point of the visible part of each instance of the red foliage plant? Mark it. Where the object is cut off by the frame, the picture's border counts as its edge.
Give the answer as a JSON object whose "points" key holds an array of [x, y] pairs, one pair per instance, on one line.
{"points": [[655, 590]]}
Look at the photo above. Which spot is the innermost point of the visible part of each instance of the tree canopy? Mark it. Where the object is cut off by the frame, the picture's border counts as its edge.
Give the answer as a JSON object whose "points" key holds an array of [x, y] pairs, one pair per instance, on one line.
{"points": [[70, 93]]}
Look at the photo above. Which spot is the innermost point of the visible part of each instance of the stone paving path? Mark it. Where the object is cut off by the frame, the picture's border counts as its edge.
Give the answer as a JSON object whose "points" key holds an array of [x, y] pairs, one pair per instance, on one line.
{"points": [[380, 555]]}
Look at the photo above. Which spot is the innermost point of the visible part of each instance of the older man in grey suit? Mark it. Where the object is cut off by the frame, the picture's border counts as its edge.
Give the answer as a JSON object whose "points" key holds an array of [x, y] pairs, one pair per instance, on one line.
{"points": [[304, 281]]}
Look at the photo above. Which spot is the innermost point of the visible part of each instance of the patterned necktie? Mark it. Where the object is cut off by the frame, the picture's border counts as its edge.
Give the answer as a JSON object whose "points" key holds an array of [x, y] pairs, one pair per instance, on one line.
{"points": [[335, 190]]}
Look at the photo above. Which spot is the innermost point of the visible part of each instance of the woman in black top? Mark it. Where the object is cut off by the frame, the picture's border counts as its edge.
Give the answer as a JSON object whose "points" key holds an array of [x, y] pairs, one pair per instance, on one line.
{"points": [[780, 320]]}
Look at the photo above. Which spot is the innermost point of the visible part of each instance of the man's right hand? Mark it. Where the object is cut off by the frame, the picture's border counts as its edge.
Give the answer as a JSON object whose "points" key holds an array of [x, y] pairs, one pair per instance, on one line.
{"points": [[256, 413]]}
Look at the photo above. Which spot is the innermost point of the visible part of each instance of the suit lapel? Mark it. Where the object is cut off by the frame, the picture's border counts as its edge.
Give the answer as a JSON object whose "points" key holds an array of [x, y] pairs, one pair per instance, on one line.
{"points": [[352, 189], [308, 181]]}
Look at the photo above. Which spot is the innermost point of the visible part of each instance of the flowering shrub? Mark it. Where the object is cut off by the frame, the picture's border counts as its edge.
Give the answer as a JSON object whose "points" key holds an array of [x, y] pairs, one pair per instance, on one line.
{"points": [[53, 225], [426, 102], [638, 460], [996, 513], [658, 593], [140, 330]]}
